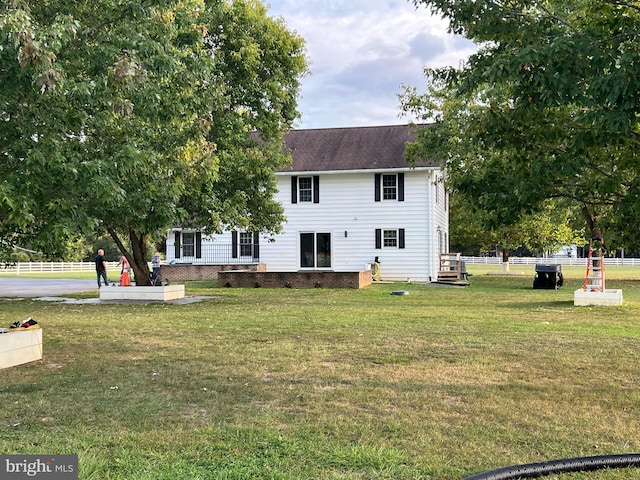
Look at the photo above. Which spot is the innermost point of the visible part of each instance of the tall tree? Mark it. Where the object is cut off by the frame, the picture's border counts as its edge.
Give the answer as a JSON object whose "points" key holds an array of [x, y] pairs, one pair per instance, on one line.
{"points": [[547, 108], [134, 116]]}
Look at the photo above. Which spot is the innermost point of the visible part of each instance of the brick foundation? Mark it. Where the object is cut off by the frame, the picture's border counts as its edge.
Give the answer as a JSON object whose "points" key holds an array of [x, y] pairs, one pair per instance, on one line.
{"points": [[265, 279], [182, 272]]}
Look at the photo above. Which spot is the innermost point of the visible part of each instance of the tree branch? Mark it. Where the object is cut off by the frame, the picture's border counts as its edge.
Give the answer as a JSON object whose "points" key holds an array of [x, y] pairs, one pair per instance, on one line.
{"points": [[552, 15]]}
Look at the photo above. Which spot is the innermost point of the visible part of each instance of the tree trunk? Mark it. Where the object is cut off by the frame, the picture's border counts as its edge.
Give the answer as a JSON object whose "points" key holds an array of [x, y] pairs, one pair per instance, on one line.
{"points": [[137, 257], [140, 262], [505, 259]]}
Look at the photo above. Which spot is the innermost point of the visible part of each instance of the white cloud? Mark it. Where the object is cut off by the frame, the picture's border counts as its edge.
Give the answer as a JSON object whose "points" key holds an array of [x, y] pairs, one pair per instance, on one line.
{"points": [[361, 52]]}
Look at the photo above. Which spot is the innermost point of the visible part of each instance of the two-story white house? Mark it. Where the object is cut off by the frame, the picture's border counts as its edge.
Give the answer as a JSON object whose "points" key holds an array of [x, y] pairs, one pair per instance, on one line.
{"points": [[350, 199]]}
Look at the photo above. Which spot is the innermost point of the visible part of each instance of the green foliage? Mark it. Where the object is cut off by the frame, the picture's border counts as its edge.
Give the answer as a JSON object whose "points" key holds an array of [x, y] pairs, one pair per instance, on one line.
{"points": [[540, 233], [547, 108], [131, 117]]}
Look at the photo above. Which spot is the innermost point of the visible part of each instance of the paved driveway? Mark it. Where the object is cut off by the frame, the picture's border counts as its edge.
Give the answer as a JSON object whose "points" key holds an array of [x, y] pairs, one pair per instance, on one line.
{"points": [[43, 287]]}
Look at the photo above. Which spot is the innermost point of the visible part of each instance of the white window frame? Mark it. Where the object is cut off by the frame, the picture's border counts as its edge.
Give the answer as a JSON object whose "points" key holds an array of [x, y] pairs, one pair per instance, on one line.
{"points": [[389, 186], [390, 238], [305, 192], [245, 244], [188, 248]]}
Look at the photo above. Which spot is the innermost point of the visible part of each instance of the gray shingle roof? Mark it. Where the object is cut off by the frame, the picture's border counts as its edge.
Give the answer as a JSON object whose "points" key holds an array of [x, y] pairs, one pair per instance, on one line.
{"points": [[354, 148]]}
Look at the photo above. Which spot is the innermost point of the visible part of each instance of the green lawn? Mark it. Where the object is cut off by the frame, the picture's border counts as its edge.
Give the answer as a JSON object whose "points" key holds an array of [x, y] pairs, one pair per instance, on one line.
{"points": [[332, 384]]}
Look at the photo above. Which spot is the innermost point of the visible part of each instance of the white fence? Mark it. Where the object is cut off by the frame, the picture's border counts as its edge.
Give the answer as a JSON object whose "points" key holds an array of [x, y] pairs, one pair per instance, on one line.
{"points": [[627, 262], [52, 267]]}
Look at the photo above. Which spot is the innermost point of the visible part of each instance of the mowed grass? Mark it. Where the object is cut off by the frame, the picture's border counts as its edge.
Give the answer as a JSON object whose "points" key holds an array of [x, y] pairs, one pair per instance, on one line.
{"points": [[440, 383]]}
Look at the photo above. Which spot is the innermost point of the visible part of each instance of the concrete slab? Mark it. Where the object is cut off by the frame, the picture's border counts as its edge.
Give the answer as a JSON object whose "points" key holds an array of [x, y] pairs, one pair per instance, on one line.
{"points": [[607, 298]]}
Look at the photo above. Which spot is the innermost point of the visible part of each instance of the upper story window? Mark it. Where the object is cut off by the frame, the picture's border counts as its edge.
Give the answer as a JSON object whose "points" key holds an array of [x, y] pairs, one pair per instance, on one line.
{"points": [[389, 187], [305, 189]]}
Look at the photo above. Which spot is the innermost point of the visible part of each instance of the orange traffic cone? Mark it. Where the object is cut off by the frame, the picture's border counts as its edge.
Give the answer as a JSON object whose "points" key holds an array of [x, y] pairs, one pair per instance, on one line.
{"points": [[125, 281]]}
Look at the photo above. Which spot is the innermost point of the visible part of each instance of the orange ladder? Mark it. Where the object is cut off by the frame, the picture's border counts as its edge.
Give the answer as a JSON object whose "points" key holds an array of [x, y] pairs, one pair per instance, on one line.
{"points": [[594, 278]]}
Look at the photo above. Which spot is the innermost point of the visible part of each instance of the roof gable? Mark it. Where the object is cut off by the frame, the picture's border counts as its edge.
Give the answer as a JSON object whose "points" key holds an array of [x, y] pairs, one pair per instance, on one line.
{"points": [[355, 148]]}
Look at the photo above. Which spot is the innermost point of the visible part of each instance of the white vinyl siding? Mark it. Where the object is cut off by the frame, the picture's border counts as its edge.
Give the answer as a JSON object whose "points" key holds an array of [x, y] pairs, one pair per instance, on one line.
{"points": [[351, 214]]}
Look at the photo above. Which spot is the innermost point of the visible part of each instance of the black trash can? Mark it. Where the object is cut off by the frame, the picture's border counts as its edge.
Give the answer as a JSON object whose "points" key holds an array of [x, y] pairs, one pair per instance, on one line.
{"points": [[548, 277]]}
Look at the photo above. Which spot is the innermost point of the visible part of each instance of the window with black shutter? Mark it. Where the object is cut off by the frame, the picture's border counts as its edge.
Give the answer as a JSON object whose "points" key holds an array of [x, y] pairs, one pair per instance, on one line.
{"points": [[245, 244], [390, 238], [305, 189], [389, 187]]}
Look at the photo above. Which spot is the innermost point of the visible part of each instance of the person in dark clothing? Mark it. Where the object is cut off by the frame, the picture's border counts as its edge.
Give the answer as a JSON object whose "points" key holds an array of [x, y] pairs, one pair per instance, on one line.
{"points": [[101, 268]]}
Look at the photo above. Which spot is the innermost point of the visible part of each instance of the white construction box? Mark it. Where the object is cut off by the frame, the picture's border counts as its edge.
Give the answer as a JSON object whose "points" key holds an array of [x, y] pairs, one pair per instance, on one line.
{"points": [[159, 293], [597, 299], [20, 346]]}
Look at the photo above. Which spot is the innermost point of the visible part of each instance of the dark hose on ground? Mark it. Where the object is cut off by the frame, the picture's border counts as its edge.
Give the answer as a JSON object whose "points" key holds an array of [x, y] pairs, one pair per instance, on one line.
{"points": [[567, 465]]}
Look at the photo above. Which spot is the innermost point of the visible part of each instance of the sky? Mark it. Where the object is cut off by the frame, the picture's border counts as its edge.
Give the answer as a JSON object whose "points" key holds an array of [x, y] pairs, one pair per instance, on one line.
{"points": [[361, 52]]}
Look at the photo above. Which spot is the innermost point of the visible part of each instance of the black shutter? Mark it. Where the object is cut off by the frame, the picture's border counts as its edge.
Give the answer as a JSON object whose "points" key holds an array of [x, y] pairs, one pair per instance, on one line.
{"points": [[294, 189], [198, 244], [401, 238], [401, 188], [376, 185], [316, 189], [234, 244], [378, 238], [176, 245], [256, 246]]}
